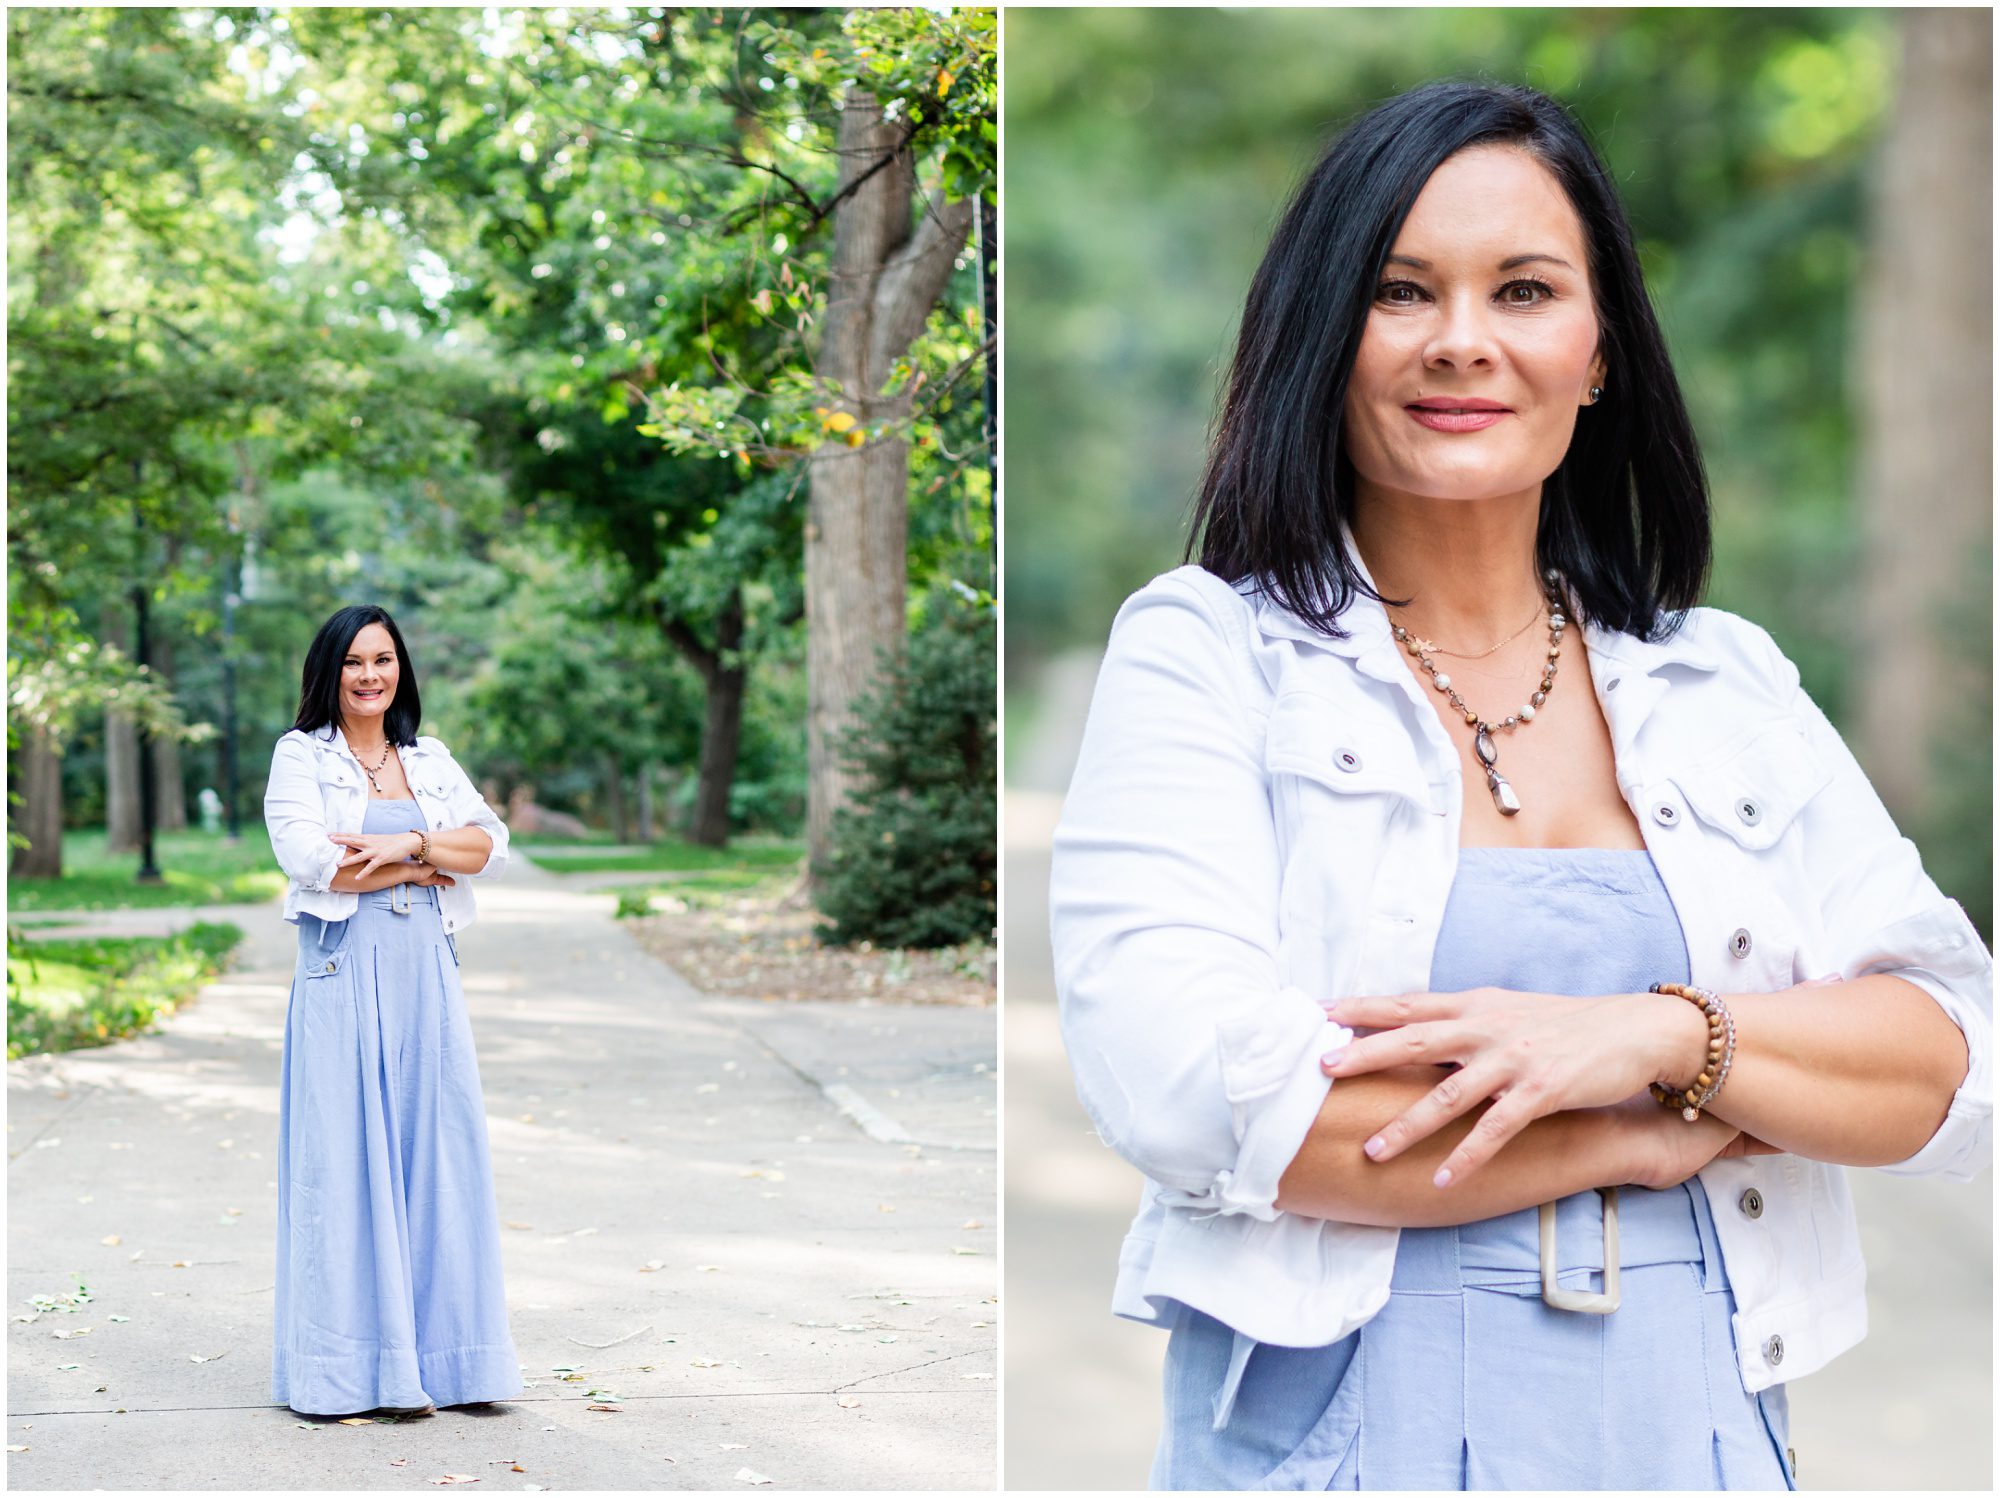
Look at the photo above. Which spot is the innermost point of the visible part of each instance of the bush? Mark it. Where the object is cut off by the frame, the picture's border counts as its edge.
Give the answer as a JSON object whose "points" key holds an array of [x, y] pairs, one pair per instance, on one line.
{"points": [[914, 860], [66, 994]]}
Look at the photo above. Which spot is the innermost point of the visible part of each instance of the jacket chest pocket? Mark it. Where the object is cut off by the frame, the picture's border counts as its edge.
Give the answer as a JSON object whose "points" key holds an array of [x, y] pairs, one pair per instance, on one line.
{"points": [[1744, 800], [433, 796], [1345, 789]]}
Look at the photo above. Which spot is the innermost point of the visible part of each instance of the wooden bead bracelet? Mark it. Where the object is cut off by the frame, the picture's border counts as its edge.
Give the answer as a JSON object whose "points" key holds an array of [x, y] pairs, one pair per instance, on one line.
{"points": [[1721, 1051]]}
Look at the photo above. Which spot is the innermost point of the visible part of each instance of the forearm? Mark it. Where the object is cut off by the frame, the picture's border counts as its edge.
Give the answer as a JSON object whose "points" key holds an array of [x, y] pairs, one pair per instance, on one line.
{"points": [[1553, 1157], [1854, 1073], [350, 881], [461, 850]]}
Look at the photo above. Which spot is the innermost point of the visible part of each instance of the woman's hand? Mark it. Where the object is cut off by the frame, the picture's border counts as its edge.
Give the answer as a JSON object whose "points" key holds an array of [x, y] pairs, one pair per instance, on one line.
{"points": [[1532, 1053], [373, 849], [432, 875]]}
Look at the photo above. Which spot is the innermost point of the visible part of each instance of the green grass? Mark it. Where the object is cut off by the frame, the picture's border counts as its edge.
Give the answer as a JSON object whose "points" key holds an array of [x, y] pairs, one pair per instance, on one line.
{"points": [[701, 890], [668, 857], [197, 868], [68, 993]]}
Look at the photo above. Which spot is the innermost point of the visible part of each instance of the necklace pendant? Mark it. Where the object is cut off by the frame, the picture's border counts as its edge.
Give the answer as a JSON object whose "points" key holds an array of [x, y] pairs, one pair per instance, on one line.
{"points": [[1483, 746], [1503, 792]]}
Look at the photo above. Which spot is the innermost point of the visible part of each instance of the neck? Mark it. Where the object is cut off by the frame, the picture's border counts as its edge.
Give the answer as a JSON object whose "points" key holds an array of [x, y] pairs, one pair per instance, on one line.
{"points": [[1467, 568], [358, 739]]}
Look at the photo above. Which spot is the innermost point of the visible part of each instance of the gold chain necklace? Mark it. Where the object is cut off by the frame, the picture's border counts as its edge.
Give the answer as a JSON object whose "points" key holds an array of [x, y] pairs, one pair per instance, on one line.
{"points": [[1480, 655], [1504, 796]]}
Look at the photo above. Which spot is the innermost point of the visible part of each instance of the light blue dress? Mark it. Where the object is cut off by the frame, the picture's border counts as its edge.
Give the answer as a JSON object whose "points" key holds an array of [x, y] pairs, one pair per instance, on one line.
{"points": [[388, 1288], [1467, 1378]]}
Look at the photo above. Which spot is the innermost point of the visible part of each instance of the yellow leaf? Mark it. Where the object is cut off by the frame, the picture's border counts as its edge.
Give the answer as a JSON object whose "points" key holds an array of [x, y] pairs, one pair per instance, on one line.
{"points": [[840, 421], [855, 439], [945, 76]]}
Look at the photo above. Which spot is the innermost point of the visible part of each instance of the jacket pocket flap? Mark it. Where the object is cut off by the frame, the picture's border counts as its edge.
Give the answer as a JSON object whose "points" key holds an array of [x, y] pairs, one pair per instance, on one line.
{"points": [[1330, 744], [1752, 790]]}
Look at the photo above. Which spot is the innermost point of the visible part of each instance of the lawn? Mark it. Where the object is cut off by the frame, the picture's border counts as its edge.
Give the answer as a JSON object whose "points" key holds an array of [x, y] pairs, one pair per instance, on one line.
{"points": [[196, 868], [67, 993], [669, 856]]}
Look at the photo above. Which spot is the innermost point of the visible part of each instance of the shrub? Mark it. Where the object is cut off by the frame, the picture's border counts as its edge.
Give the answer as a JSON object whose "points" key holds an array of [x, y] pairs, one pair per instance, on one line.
{"points": [[914, 862]]}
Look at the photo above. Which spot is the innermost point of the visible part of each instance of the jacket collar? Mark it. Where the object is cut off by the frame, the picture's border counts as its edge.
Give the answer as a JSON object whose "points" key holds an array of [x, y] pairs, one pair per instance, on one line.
{"points": [[328, 736], [1368, 633]]}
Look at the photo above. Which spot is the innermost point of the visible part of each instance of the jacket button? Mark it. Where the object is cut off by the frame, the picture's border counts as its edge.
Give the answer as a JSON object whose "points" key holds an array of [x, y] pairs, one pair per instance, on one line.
{"points": [[1347, 759], [1750, 812], [1739, 944], [1774, 1350], [329, 967], [1612, 685], [1665, 815], [1752, 1202]]}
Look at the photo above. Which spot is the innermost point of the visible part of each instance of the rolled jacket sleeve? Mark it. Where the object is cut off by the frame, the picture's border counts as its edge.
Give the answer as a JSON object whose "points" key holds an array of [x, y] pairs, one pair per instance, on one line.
{"points": [[1883, 914], [472, 810], [1194, 1058], [294, 815]]}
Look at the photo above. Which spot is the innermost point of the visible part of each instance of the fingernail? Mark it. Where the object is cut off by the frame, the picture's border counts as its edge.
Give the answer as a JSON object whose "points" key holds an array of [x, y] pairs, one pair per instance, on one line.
{"points": [[1332, 1059], [1373, 1148], [1442, 1178]]}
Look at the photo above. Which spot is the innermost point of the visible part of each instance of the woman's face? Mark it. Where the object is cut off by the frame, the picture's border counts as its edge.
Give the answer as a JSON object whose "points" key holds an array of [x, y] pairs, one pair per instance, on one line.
{"points": [[368, 677], [1482, 342]]}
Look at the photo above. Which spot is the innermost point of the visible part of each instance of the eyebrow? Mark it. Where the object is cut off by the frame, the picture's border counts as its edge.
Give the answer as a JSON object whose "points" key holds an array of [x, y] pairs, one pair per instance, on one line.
{"points": [[1510, 263]]}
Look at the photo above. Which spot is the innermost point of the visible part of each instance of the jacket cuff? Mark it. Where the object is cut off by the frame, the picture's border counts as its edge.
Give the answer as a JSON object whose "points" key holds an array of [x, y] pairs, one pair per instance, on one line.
{"points": [[1272, 1080], [1955, 970]]}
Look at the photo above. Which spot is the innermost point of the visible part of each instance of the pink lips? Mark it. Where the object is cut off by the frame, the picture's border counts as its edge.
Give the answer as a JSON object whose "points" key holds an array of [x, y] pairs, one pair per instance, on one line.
{"points": [[1443, 414]]}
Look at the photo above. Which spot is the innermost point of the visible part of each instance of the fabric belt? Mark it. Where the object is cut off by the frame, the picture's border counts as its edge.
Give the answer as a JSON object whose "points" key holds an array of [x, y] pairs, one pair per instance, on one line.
{"points": [[401, 898]]}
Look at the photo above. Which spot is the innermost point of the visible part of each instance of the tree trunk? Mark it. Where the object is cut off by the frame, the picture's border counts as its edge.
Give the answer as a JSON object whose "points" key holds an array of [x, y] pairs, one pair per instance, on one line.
{"points": [[1926, 380], [614, 797], [724, 676], [169, 790], [885, 276], [40, 818], [121, 784], [645, 801]]}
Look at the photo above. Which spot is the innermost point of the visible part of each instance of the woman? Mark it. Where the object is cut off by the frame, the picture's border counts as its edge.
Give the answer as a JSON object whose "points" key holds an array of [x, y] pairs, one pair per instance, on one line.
{"points": [[389, 1296], [1389, 817]]}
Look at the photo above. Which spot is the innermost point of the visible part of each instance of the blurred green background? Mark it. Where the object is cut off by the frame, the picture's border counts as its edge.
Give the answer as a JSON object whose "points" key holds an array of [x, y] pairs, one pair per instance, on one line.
{"points": [[1150, 153]]}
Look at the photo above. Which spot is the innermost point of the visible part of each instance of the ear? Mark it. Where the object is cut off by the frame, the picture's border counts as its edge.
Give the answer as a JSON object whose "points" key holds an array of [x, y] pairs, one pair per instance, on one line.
{"points": [[1598, 369]]}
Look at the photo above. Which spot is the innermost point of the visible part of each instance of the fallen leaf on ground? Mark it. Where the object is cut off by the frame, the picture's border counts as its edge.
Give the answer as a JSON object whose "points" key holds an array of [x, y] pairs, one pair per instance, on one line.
{"points": [[111, 1240], [734, 1446], [609, 1409], [971, 1227], [357, 1420], [451, 1477], [401, 1461], [23, 1448], [67, 1367], [198, 1357], [118, 1318], [521, 1227], [957, 1249], [651, 1265], [706, 1268], [81, 1331], [706, 1362], [755, 1479], [848, 1401]]}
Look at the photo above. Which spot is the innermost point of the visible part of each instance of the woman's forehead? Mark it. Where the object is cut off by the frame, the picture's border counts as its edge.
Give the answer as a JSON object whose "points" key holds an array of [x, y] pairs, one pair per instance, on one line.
{"points": [[1495, 202]]}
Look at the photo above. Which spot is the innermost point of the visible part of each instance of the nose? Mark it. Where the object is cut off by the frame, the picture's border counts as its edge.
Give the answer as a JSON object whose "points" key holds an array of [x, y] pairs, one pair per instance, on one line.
{"points": [[1462, 335]]}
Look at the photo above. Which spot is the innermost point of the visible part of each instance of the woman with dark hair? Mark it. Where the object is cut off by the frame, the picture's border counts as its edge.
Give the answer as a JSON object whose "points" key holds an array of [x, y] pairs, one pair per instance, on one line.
{"points": [[1380, 944], [389, 1294]]}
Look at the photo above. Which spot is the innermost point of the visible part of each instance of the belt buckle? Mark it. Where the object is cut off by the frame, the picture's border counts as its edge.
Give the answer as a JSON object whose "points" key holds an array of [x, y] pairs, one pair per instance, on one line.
{"points": [[1582, 1300], [399, 901]]}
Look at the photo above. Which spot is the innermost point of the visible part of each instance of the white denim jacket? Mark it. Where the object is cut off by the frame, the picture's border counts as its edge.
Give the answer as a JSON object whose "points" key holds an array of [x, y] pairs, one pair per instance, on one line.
{"points": [[1263, 817], [317, 786]]}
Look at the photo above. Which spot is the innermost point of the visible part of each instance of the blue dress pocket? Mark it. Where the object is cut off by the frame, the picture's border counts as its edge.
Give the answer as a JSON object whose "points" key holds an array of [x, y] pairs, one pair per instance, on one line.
{"points": [[323, 945]]}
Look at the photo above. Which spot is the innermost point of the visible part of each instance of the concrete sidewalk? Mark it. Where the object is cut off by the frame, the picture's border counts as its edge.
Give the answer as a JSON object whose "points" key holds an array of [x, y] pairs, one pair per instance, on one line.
{"points": [[764, 1234]]}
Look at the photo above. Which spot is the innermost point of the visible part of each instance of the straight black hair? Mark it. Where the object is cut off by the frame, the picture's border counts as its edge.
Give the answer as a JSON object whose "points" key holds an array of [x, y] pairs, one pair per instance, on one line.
{"points": [[319, 684], [1624, 516]]}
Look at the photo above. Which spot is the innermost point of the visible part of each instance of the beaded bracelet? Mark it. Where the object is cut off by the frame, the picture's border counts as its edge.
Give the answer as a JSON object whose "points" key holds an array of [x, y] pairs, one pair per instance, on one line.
{"points": [[423, 846], [1721, 1050]]}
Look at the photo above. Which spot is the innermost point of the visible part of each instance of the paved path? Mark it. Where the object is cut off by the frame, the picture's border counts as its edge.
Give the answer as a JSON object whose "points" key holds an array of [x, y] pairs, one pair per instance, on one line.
{"points": [[769, 1229]]}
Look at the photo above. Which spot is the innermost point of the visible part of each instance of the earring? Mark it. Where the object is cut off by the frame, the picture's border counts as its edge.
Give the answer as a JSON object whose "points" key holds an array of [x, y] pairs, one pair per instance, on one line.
{"points": [[1596, 394]]}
